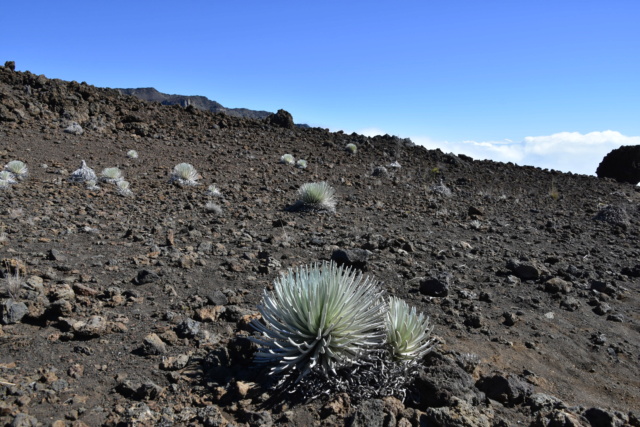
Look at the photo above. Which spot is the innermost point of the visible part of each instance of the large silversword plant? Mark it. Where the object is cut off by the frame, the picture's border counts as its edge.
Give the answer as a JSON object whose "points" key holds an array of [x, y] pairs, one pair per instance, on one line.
{"points": [[330, 328], [325, 317]]}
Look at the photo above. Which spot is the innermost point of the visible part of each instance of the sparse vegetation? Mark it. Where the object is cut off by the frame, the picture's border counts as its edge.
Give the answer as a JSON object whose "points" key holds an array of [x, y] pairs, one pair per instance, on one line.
{"points": [[13, 283], [7, 176], [184, 174], [553, 192], [132, 154], [407, 332], [287, 159], [318, 196], [18, 168], [301, 164], [92, 185], [351, 148]]}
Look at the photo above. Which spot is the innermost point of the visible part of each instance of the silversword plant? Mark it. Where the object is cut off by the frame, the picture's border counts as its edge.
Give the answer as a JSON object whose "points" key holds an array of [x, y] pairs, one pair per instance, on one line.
{"points": [[84, 174], [407, 332], [316, 196], [301, 164], [123, 188], [323, 317], [184, 174], [18, 168], [111, 175], [287, 159], [352, 148], [8, 177], [213, 191], [132, 154]]}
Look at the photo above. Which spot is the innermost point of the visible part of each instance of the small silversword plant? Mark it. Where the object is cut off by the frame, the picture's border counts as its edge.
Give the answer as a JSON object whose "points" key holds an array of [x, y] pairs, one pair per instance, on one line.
{"points": [[407, 332], [123, 188], [301, 164], [18, 168], [7, 176], [287, 159], [352, 148], [132, 154], [316, 196], [84, 174], [184, 174], [111, 175], [213, 191]]}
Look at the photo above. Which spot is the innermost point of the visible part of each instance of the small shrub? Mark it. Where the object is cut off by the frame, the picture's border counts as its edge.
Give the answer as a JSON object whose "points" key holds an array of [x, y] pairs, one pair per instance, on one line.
{"points": [[18, 168], [84, 174], [301, 164], [111, 175], [213, 191], [553, 192], [123, 188], [287, 159], [351, 148], [13, 284], [184, 174], [132, 154], [316, 196], [4, 184]]}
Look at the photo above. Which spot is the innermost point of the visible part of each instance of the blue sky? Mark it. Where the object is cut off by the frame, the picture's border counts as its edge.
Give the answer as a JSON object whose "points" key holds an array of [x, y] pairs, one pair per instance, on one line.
{"points": [[552, 83]]}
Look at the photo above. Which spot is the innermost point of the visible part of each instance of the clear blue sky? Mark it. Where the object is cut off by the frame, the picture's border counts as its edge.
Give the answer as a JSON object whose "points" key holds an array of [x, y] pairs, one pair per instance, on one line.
{"points": [[531, 81]]}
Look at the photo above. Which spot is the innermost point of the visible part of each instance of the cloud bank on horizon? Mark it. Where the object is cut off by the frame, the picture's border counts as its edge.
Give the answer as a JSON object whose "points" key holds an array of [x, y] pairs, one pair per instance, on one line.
{"points": [[564, 151]]}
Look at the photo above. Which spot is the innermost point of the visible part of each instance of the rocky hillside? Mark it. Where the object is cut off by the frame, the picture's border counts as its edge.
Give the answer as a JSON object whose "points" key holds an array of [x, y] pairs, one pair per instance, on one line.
{"points": [[199, 102], [134, 309]]}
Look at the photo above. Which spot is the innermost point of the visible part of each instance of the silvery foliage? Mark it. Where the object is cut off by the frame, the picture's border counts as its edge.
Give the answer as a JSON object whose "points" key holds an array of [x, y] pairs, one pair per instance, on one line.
{"points": [[111, 175], [214, 208], [213, 191], [327, 329], [184, 174], [287, 159], [394, 165], [352, 148], [83, 174], [123, 188], [317, 196], [8, 177], [301, 164], [18, 168], [132, 154], [319, 318], [407, 332], [92, 185], [4, 184]]}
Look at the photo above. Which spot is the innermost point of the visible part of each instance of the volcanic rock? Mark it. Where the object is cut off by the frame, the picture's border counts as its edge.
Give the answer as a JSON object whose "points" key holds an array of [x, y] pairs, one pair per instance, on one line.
{"points": [[621, 164]]}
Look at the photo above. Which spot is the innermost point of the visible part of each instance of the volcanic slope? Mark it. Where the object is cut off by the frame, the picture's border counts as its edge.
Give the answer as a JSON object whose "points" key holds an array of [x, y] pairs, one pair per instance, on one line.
{"points": [[135, 309]]}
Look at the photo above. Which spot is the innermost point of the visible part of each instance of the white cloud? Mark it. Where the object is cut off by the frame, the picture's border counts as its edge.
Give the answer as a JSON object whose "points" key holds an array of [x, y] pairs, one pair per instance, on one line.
{"points": [[564, 151]]}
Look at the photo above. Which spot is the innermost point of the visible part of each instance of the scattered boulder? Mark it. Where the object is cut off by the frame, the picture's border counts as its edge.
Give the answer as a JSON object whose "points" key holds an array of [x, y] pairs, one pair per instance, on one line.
{"points": [[74, 129], [506, 389], [435, 286], [614, 215], [12, 311], [355, 258], [621, 164], [281, 119]]}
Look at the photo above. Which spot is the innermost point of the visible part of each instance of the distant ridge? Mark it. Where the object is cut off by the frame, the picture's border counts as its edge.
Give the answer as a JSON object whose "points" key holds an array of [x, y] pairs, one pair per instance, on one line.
{"points": [[199, 102]]}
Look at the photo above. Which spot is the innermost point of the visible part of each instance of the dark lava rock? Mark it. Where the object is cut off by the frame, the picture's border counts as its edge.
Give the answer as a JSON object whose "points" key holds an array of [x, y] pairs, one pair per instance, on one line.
{"points": [[508, 390], [370, 414], [435, 286], [525, 270], [12, 311], [444, 382], [146, 276], [356, 258], [188, 328], [621, 164], [614, 215], [281, 119], [153, 345], [603, 418], [217, 298]]}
